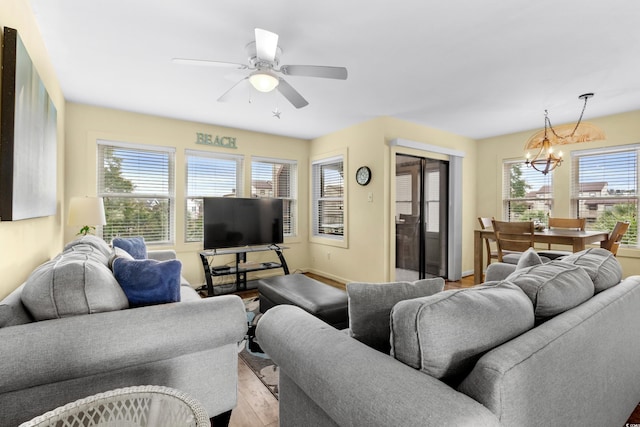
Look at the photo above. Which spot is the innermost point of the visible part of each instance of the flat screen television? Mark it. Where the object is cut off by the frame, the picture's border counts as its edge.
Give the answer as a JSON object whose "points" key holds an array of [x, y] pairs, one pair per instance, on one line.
{"points": [[231, 222]]}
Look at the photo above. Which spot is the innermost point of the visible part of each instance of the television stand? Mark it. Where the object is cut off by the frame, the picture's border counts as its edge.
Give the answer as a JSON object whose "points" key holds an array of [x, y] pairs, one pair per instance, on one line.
{"points": [[240, 268]]}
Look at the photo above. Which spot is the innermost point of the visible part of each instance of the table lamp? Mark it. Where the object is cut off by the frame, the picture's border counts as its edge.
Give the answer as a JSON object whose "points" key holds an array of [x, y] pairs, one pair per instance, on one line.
{"points": [[87, 212]]}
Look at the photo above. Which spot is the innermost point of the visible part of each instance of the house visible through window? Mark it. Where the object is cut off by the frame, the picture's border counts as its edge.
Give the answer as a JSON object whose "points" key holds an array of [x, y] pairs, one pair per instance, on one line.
{"points": [[604, 188], [137, 184], [208, 175], [328, 198], [278, 179], [527, 194]]}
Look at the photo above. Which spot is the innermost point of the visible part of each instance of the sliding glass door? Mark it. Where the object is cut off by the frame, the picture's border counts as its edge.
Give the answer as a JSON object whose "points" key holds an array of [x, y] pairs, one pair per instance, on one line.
{"points": [[421, 217]]}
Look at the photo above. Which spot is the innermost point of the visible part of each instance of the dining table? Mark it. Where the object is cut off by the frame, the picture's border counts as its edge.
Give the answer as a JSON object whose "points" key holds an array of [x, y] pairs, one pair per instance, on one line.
{"points": [[575, 238]]}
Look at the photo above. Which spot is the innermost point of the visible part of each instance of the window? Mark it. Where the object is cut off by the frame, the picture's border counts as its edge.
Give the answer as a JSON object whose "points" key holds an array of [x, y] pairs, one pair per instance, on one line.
{"points": [[404, 194], [208, 175], [137, 184], [604, 188], [328, 198], [527, 194], [278, 179]]}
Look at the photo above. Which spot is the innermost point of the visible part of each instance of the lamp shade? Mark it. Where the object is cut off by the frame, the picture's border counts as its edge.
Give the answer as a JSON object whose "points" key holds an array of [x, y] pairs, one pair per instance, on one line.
{"points": [[264, 81], [86, 211]]}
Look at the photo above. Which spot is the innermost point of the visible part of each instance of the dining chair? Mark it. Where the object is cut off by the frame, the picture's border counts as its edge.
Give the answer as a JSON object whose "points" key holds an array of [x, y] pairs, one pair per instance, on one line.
{"points": [[485, 223], [566, 224], [515, 237], [613, 242]]}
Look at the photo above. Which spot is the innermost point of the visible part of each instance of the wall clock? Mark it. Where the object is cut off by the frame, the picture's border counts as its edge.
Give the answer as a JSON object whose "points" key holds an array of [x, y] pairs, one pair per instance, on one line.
{"points": [[363, 175]]}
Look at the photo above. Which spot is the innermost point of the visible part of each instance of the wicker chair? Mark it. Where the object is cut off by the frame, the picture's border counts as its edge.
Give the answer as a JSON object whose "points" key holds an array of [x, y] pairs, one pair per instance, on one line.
{"points": [[155, 406]]}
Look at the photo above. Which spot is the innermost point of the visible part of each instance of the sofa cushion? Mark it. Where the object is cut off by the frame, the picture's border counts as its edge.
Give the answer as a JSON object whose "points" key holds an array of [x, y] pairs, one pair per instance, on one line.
{"points": [[83, 250], [6, 315], [553, 287], [93, 241], [443, 335], [147, 282], [135, 246], [370, 305], [71, 284], [601, 265]]}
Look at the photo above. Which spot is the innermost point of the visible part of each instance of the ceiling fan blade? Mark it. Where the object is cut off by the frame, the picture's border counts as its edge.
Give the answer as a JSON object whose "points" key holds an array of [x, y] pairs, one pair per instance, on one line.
{"points": [[291, 94], [266, 45], [225, 97], [315, 71], [206, 62]]}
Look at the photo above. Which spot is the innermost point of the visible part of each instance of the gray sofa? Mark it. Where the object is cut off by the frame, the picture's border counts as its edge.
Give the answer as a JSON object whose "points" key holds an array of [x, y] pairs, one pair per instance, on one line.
{"points": [[191, 345], [574, 365]]}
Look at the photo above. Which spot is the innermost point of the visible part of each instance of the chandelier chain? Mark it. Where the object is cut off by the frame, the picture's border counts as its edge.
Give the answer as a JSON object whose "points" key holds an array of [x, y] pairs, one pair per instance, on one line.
{"points": [[548, 121]]}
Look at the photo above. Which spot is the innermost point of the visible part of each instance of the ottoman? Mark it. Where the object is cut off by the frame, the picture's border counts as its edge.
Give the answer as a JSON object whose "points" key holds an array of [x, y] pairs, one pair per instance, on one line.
{"points": [[323, 301]]}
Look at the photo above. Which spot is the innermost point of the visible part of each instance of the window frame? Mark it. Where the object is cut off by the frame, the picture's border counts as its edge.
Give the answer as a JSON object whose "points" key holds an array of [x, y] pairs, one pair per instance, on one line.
{"points": [[546, 202], [340, 240], [189, 198], [631, 238], [170, 196], [292, 185]]}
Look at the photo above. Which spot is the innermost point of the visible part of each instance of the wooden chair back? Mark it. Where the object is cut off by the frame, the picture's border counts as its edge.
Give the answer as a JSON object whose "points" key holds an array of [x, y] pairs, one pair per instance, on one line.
{"points": [[486, 223], [513, 236], [569, 223], [613, 242]]}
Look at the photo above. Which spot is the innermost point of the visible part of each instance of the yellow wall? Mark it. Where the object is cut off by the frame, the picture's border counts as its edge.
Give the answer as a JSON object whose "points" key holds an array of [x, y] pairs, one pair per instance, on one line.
{"points": [[370, 255], [86, 124], [620, 129], [28, 243]]}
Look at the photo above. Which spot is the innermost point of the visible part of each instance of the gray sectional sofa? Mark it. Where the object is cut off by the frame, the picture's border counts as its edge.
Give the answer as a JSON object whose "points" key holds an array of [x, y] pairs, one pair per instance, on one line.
{"points": [[88, 341], [553, 344]]}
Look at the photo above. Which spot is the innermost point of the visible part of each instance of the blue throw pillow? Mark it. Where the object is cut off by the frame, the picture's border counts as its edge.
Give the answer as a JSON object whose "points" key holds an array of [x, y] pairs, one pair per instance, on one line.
{"points": [[135, 246], [148, 282]]}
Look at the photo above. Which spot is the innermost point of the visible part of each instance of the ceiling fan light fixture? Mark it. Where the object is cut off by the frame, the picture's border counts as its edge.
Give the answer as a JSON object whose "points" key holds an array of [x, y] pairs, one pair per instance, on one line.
{"points": [[264, 81]]}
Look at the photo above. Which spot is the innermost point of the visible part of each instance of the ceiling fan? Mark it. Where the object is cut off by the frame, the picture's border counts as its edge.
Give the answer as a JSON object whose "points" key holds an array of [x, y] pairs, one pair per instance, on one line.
{"points": [[264, 63]]}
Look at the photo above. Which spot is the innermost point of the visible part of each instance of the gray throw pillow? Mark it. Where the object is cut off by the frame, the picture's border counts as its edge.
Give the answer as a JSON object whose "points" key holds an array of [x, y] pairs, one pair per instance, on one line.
{"points": [[445, 334], [528, 258], [602, 266], [370, 305], [553, 287], [69, 285]]}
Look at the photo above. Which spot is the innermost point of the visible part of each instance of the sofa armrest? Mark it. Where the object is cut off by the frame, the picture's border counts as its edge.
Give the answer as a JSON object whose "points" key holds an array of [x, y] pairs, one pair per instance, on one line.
{"points": [[72, 347], [498, 271], [355, 384], [162, 254]]}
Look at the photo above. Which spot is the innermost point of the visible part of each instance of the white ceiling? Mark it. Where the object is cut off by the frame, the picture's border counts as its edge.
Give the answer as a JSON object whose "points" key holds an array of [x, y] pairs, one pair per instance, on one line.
{"points": [[476, 68]]}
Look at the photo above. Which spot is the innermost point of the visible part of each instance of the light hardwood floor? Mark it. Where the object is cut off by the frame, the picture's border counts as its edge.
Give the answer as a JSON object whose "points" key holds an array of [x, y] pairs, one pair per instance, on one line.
{"points": [[258, 408], [256, 405]]}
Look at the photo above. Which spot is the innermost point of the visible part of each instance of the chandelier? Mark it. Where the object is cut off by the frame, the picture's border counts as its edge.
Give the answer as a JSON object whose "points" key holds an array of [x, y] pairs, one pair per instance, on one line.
{"points": [[546, 159]]}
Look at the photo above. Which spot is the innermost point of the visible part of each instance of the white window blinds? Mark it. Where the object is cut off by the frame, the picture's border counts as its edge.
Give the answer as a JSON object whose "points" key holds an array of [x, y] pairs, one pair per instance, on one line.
{"points": [[328, 197], [137, 184], [604, 188], [527, 195], [208, 175], [277, 179]]}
